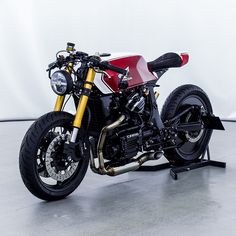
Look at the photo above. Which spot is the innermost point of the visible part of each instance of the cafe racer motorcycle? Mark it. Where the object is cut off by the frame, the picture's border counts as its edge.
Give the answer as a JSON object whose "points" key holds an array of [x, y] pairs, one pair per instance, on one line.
{"points": [[117, 126]]}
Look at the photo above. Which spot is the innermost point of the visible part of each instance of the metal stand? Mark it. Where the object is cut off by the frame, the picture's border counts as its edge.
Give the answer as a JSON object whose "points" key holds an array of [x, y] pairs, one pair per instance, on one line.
{"points": [[178, 169]]}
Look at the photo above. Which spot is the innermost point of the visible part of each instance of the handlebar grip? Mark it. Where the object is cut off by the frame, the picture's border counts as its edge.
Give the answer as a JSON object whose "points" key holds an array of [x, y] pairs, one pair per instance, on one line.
{"points": [[108, 66]]}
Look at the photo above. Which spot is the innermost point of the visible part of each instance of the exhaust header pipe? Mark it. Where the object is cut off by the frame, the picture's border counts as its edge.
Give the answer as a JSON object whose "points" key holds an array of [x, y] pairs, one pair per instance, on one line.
{"points": [[113, 171], [135, 164]]}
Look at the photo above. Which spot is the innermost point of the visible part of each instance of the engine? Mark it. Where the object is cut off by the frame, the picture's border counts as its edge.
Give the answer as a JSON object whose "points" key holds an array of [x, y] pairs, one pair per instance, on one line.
{"points": [[127, 140], [135, 102], [123, 145]]}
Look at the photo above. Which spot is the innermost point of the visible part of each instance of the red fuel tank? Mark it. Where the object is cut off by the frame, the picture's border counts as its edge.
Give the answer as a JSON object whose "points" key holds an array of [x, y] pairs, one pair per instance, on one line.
{"points": [[138, 72]]}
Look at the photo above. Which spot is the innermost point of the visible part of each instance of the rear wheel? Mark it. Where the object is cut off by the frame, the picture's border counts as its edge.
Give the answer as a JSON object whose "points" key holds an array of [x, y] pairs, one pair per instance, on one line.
{"points": [[46, 169], [190, 144]]}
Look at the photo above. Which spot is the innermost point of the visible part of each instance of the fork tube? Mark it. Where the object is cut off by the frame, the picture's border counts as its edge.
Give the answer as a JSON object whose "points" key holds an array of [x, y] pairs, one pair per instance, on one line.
{"points": [[60, 99], [83, 103], [59, 103]]}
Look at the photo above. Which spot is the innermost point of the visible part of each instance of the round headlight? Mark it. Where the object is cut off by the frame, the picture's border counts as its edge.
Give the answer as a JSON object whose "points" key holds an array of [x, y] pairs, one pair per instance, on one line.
{"points": [[61, 82]]}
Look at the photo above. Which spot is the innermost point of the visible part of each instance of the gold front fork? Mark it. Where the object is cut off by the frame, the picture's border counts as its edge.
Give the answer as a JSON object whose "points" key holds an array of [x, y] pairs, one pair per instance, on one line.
{"points": [[83, 103], [59, 103], [84, 98]]}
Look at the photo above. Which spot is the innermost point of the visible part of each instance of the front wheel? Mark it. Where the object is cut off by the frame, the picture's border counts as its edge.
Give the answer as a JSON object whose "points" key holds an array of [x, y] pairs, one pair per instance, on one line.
{"points": [[190, 145], [46, 169]]}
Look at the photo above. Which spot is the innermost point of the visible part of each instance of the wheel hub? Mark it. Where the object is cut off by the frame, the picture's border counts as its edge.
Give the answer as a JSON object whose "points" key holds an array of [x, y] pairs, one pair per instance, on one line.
{"points": [[59, 165], [193, 136]]}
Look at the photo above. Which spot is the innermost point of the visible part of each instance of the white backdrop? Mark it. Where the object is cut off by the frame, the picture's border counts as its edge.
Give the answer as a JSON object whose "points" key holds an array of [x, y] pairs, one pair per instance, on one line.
{"points": [[31, 32]]}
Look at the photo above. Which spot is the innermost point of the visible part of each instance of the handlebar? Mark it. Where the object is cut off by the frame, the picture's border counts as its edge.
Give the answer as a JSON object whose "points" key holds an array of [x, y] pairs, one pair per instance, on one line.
{"points": [[81, 56], [108, 66]]}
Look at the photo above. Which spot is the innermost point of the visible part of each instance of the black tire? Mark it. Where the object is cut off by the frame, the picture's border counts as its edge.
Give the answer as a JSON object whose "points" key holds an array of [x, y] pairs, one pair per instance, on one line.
{"points": [[172, 106], [29, 154]]}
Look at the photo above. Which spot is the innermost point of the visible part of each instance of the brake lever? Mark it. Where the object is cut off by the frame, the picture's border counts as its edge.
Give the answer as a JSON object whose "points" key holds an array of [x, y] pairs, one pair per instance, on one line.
{"points": [[51, 66], [105, 54]]}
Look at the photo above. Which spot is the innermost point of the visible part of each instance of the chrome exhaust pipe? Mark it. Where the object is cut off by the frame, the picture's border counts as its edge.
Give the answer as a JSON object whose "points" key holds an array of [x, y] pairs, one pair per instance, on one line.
{"points": [[102, 139], [113, 171], [135, 164], [101, 168]]}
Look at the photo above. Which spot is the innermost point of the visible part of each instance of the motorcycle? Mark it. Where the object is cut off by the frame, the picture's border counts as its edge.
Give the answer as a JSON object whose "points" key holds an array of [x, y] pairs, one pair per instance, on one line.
{"points": [[117, 126]]}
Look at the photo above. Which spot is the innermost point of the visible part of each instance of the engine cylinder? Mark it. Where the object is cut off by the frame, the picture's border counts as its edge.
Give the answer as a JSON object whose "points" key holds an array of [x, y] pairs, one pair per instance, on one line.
{"points": [[136, 102]]}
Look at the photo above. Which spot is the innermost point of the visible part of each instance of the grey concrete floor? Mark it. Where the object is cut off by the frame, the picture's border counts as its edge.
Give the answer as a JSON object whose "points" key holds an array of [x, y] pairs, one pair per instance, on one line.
{"points": [[201, 202]]}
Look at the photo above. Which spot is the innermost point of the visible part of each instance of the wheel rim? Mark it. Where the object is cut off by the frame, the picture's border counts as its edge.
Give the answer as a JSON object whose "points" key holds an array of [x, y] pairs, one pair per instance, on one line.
{"points": [[191, 143], [55, 168]]}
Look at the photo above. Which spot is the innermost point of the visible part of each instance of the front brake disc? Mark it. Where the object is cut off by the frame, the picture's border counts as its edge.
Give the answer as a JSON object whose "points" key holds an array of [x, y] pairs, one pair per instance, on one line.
{"points": [[51, 167]]}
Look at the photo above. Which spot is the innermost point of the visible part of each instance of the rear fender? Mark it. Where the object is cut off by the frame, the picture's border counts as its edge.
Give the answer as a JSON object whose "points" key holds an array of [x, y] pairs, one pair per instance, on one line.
{"points": [[212, 122]]}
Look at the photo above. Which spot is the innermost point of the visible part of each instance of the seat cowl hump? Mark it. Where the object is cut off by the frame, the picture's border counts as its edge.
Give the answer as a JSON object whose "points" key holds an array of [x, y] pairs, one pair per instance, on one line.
{"points": [[168, 60]]}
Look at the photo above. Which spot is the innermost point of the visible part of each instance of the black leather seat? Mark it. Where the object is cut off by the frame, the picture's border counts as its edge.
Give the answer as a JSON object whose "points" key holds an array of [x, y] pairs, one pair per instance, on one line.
{"points": [[168, 60]]}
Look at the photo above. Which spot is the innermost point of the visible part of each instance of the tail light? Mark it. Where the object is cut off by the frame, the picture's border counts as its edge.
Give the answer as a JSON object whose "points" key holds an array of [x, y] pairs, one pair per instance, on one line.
{"points": [[184, 57]]}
